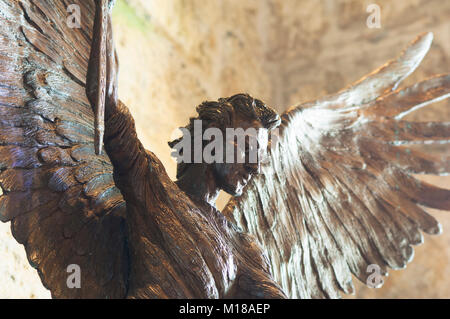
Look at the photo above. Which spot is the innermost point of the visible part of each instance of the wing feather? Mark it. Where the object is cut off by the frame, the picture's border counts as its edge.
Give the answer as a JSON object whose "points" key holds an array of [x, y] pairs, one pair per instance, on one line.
{"points": [[60, 197], [337, 194]]}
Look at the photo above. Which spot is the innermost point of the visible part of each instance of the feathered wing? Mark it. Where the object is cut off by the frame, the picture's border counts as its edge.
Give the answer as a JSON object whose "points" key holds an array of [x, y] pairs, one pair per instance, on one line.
{"points": [[338, 194], [59, 196]]}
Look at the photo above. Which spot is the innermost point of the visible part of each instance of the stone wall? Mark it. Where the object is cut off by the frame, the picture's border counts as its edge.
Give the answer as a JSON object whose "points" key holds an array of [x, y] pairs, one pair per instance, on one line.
{"points": [[175, 54]]}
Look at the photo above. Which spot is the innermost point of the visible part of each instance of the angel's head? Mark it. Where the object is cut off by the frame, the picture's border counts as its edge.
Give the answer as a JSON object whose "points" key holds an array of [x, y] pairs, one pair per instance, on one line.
{"points": [[229, 137]]}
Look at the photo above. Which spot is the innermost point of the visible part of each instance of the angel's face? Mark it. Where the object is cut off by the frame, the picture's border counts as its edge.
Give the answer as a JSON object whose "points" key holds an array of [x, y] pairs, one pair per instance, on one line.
{"points": [[233, 175]]}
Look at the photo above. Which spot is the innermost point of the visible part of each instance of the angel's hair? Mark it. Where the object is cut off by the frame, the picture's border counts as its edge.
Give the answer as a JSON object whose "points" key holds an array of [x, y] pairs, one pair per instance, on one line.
{"points": [[221, 114]]}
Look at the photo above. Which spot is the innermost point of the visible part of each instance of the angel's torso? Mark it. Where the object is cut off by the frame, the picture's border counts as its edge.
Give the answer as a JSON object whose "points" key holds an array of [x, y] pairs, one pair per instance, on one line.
{"points": [[180, 248]]}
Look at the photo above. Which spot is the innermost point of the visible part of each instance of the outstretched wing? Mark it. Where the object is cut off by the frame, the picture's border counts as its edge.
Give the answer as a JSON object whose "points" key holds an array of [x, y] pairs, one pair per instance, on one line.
{"points": [[58, 194], [338, 194]]}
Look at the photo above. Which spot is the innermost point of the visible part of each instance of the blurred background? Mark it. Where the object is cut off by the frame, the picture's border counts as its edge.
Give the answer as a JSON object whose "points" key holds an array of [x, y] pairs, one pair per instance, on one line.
{"points": [[174, 54]]}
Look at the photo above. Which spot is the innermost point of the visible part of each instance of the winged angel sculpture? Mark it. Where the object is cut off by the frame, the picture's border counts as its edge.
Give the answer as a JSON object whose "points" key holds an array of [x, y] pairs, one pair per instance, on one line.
{"points": [[334, 196]]}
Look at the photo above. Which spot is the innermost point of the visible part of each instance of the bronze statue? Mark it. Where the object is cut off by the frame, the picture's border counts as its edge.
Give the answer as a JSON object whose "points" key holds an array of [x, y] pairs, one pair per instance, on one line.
{"points": [[334, 196]]}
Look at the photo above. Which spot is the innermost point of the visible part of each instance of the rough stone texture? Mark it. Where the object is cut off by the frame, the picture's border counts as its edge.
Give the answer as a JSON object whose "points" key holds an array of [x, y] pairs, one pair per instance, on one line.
{"points": [[175, 54]]}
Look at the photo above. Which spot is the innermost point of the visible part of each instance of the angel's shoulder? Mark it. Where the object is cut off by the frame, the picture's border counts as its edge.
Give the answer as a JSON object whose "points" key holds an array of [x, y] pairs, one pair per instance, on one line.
{"points": [[248, 246]]}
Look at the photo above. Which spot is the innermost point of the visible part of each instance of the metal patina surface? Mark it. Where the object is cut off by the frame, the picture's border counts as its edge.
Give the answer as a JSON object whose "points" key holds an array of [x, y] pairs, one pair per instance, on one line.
{"points": [[335, 196]]}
